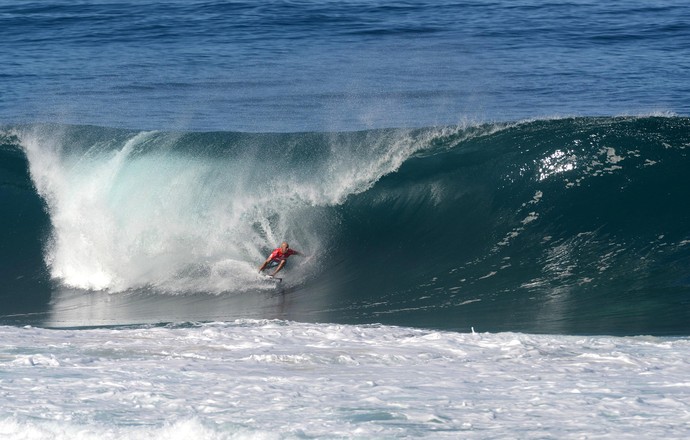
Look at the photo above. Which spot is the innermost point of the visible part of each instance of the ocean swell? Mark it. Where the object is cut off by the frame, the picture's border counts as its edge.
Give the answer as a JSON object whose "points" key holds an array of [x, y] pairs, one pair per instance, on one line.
{"points": [[548, 225]]}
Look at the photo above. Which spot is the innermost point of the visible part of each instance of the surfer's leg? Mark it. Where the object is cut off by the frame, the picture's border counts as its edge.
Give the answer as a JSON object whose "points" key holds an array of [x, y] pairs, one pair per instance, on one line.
{"points": [[280, 266], [268, 264]]}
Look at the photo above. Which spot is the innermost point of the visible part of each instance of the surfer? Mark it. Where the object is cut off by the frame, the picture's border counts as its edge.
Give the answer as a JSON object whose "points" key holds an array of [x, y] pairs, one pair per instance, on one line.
{"points": [[279, 256]]}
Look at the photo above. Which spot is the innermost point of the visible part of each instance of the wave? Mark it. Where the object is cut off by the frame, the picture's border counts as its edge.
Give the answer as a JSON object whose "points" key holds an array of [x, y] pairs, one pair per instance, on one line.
{"points": [[574, 224]]}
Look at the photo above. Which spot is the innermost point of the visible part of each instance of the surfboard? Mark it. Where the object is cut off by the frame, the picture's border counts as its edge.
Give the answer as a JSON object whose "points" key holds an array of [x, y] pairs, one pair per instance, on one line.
{"points": [[271, 278]]}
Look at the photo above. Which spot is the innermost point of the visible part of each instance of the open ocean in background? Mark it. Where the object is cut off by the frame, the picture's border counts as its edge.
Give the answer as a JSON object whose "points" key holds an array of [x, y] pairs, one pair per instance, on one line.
{"points": [[491, 196]]}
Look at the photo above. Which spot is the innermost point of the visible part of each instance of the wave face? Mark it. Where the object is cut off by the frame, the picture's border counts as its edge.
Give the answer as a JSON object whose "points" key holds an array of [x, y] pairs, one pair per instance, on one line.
{"points": [[567, 225]]}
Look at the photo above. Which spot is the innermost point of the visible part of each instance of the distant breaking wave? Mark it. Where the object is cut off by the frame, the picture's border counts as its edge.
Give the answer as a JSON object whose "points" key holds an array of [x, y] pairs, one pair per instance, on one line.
{"points": [[548, 225]]}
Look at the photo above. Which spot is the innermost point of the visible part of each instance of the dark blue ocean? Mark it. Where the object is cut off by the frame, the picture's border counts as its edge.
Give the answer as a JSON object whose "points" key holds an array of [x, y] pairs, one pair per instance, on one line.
{"points": [[287, 66], [491, 200]]}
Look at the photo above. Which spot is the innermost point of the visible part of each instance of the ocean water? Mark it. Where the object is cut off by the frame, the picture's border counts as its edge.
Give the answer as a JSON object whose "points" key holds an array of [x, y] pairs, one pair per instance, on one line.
{"points": [[490, 196]]}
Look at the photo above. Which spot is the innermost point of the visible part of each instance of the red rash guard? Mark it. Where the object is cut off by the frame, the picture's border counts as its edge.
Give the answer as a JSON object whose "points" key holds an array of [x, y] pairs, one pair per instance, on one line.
{"points": [[279, 255]]}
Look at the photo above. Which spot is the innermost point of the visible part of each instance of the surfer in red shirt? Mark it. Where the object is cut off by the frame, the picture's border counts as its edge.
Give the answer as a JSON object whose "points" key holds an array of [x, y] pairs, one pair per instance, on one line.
{"points": [[279, 256]]}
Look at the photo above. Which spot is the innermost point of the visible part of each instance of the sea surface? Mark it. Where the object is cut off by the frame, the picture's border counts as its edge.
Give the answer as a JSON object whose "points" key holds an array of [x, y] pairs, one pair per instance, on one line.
{"points": [[490, 198]]}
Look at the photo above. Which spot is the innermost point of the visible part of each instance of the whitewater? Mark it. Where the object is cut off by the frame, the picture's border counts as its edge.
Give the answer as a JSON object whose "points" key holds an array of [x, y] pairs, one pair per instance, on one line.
{"points": [[279, 379]]}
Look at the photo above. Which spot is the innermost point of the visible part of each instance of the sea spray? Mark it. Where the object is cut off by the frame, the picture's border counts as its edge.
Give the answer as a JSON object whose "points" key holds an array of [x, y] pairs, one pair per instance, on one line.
{"points": [[194, 212]]}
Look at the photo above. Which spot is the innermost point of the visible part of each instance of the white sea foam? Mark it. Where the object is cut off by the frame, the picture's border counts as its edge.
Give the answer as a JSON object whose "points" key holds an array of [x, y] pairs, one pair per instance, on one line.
{"points": [[276, 379]]}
